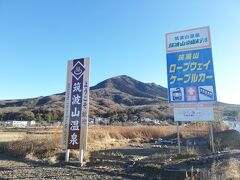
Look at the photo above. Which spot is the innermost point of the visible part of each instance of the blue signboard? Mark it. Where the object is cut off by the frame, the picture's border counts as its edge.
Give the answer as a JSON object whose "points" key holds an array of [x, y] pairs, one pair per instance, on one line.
{"points": [[191, 74]]}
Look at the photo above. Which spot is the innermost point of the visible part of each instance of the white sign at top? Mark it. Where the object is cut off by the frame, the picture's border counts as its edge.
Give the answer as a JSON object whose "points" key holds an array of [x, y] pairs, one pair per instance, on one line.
{"points": [[190, 39]]}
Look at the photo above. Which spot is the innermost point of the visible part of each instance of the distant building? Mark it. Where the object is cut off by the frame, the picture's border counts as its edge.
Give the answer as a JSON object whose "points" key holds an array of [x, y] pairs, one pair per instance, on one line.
{"points": [[32, 123], [19, 124]]}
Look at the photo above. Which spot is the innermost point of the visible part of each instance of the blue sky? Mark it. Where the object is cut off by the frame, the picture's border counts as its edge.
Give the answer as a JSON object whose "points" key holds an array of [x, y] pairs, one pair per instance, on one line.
{"points": [[121, 37]]}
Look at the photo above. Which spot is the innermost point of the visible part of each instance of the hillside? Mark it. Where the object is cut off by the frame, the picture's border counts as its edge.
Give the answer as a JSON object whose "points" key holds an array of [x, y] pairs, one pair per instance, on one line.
{"points": [[119, 98], [114, 98]]}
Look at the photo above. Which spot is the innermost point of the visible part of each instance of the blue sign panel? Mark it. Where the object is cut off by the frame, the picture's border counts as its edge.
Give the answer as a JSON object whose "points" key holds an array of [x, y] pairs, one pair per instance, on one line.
{"points": [[191, 76]]}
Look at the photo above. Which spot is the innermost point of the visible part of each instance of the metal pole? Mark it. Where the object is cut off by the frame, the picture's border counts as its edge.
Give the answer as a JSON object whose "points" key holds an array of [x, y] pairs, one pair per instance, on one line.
{"points": [[67, 155], [81, 157], [211, 132], [178, 137], [209, 136]]}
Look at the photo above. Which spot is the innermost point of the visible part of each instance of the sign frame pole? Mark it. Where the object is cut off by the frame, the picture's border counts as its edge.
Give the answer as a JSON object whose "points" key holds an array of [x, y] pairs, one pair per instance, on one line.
{"points": [[178, 137], [81, 157], [211, 134], [67, 155]]}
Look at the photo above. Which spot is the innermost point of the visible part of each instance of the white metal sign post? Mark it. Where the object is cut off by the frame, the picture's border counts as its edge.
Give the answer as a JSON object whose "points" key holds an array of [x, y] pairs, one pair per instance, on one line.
{"points": [[75, 125], [191, 80]]}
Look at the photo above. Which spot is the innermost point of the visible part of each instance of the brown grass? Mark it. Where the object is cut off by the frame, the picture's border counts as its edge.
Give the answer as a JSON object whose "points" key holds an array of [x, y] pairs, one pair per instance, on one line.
{"points": [[229, 170], [39, 146], [11, 136], [233, 169], [45, 143], [131, 132], [104, 137], [195, 130]]}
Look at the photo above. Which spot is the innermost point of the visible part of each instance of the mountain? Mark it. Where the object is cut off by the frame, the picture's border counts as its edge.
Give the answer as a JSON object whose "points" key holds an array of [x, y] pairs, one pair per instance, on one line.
{"points": [[127, 91], [118, 98], [128, 85], [111, 98]]}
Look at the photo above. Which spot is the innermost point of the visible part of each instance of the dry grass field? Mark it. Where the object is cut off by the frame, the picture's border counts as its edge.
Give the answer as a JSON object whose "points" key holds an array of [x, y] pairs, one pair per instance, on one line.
{"points": [[11, 136], [109, 146], [45, 143]]}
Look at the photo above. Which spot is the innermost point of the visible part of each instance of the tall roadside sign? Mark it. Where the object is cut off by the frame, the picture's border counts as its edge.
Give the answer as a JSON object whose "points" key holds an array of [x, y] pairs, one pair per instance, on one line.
{"points": [[75, 125], [191, 81]]}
